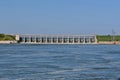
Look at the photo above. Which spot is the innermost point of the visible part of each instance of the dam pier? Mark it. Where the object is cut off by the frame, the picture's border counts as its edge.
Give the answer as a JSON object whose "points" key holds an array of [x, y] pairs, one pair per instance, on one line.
{"points": [[56, 39]]}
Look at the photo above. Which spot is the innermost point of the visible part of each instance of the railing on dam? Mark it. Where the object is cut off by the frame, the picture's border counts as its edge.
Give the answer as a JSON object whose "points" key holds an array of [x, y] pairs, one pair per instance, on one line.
{"points": [[57, 39]]}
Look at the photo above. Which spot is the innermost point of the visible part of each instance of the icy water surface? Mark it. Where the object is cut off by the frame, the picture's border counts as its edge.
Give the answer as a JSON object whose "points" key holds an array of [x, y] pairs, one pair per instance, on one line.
{"points": [[59, 62]]}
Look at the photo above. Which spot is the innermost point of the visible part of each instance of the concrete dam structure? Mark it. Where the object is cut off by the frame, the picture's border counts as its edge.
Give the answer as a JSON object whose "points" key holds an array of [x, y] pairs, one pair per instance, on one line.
{"points": [[56, 39]]}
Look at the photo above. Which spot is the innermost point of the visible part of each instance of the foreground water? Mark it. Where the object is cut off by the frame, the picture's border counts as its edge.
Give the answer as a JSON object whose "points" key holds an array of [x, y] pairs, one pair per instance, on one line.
{"points": [[59, 62]]}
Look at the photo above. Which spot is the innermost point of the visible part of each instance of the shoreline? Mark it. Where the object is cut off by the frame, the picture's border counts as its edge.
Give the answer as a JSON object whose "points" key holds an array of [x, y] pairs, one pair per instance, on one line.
{"points": [[99, 43]]}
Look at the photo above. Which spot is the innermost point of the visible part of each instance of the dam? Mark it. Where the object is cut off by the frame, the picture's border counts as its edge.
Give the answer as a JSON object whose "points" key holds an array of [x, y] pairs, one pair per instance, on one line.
{"points": [[56, 39]]}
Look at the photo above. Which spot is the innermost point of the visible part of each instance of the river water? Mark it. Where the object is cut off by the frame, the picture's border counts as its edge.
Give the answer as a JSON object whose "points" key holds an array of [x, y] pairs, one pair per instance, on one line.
{"points": [[59, 62]]}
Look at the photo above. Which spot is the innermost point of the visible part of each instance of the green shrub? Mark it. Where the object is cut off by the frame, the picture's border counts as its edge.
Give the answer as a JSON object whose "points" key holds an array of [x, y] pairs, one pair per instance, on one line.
{"points": [[4, 37], [107, 38]]}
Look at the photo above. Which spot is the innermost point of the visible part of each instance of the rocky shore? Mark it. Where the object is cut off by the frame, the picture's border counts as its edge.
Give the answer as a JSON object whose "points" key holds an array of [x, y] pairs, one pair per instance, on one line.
{"points": [[108, 42], [8, 42]]}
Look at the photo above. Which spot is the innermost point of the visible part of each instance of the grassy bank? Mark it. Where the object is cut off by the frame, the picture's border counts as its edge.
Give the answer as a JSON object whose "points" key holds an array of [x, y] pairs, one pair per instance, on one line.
{"points": [[108, 38], [5, 37]]}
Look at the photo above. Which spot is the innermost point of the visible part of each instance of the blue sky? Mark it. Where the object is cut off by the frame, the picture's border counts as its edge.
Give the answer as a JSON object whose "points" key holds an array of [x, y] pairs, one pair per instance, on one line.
{"points": [[59, 16]]}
